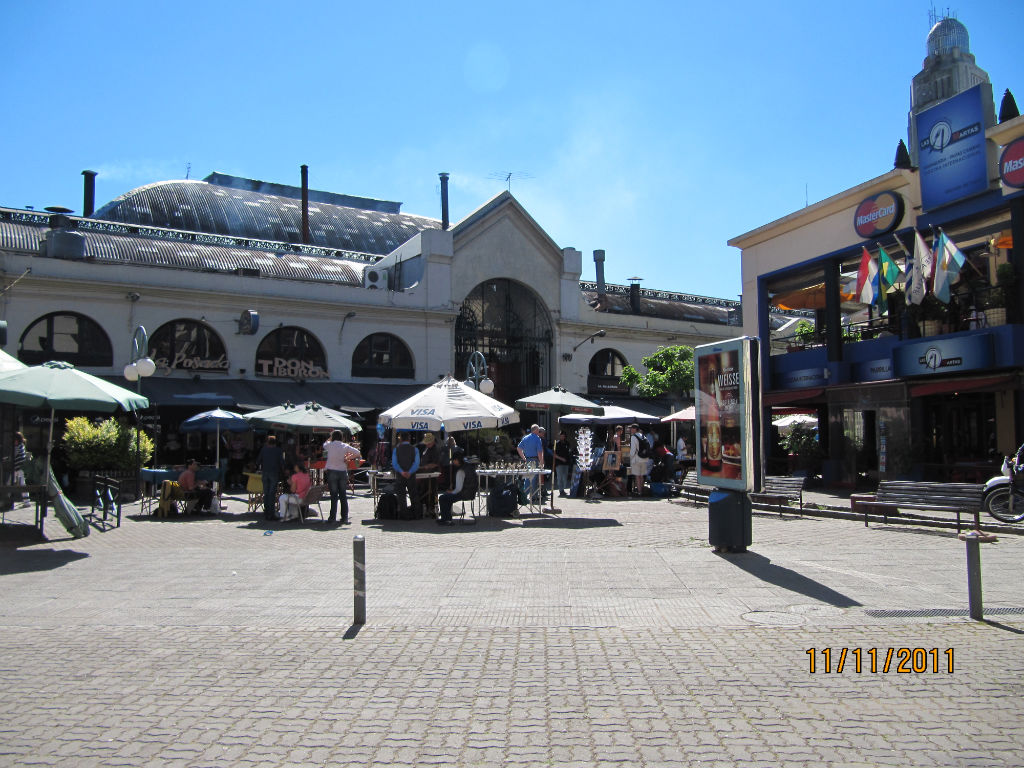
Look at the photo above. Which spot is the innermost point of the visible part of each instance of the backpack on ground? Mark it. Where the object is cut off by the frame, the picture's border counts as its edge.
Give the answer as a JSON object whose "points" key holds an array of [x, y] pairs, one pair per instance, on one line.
{"points": [[387, 507], [503, 500]]}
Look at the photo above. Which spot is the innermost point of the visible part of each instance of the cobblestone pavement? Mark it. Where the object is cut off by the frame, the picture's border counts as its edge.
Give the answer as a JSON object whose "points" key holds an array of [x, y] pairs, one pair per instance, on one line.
{"points": [[607, 635]]}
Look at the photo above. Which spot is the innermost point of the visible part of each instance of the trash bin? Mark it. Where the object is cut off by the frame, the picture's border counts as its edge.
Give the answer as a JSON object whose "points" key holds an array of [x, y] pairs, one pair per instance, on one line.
{"points": [[729, 521]]}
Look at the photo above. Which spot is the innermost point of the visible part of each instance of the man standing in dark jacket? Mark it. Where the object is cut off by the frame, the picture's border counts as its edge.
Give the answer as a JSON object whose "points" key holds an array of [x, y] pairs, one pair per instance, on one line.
{"points": [[405, 460], [270, 461]]}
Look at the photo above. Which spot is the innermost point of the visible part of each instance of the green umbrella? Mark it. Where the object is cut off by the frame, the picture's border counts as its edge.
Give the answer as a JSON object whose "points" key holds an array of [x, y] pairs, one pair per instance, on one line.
{"points": [[60, 386], [560, 402], [305, 417]]}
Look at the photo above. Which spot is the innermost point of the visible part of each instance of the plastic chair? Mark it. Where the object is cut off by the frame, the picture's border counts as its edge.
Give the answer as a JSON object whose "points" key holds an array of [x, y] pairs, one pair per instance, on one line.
{"points": [[313, 496], [254, 486]]}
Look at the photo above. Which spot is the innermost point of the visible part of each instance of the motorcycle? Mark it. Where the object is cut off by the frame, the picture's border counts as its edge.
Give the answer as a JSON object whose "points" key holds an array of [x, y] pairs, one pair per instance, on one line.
{"points": [[996, 499]]}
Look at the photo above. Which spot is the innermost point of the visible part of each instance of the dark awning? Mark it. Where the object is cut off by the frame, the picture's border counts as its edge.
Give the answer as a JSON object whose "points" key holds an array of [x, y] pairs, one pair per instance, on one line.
{"points": [[976, 384], [791, 396], [255, 394]]}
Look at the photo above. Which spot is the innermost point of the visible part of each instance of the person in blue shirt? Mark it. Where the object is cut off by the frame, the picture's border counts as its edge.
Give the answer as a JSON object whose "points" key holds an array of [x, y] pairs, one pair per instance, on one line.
{"points": [[531, 450], [405, 460]]}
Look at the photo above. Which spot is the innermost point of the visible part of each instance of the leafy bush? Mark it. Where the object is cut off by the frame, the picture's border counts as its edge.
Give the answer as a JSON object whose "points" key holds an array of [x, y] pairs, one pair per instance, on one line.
{"points": [[107, 445], [802, 440]]}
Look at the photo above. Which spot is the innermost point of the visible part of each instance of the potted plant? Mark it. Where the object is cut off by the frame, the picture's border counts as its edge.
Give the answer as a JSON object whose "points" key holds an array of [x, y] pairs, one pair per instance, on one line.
{"points": [[107, 448], [804, 334]]}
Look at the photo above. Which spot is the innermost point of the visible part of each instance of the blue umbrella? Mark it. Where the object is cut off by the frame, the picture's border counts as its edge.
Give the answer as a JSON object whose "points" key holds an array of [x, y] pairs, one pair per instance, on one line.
{"points": [[215, 421]]}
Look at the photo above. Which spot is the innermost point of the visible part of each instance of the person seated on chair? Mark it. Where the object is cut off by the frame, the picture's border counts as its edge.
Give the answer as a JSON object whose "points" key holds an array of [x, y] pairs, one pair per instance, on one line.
{"points": [[463, 487], [202, 491], [289, 505]]}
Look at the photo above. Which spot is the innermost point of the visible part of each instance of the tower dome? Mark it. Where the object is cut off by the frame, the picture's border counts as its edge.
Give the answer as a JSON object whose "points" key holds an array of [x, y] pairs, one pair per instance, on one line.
{"points": [[947, 35]]}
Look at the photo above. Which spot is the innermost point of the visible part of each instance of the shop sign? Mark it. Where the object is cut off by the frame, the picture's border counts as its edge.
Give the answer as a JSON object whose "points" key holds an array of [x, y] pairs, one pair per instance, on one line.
{"points": [[873, 370], [185, 359], [805, 377], [1011, 164], [606, 385], [878, 215], [289, 368], [943, 356], [951, 150]]}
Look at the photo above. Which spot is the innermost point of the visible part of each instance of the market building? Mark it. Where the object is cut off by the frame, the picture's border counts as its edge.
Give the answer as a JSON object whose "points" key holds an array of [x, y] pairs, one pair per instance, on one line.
{"points": [[248, 294], [919, 381]]}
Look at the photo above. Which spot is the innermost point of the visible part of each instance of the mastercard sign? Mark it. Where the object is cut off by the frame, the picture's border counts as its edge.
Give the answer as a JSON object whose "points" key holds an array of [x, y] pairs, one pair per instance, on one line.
{"points": [[878, 215], [1011, 164]]}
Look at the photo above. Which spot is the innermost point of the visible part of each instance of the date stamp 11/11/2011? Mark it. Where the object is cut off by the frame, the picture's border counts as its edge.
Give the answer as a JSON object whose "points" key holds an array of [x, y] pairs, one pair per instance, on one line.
{"points": [[904, 661]]}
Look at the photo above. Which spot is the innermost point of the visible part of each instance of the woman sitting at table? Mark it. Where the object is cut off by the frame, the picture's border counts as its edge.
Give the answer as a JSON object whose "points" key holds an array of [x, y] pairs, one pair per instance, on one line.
{"points": [[203, 492], [289, 505]]}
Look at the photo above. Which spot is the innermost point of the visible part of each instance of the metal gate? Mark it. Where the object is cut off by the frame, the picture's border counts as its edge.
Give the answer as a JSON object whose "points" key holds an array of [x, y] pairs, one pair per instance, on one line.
{"points": [[510, 326]]}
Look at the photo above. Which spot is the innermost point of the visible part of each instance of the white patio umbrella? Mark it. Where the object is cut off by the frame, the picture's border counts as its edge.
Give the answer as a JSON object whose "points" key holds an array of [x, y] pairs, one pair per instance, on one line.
{"points": [[687, 414], [304, 417], [10, 363], [793, 419], [613, 414], [450, 405]]}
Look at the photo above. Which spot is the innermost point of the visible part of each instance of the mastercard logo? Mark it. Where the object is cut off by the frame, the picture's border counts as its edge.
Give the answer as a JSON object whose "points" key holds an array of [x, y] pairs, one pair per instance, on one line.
{"points": [[1011, 164], [879, 214]]}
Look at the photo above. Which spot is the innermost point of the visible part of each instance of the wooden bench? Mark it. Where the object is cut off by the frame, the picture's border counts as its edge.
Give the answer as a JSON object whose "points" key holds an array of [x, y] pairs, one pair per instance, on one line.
{"points": [[778, 491], [926, 496], [690, 489]]}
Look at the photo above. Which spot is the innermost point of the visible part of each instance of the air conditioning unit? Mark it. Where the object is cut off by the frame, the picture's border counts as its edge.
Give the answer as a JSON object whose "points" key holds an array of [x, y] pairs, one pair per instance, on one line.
{"points": [[375, 277]]}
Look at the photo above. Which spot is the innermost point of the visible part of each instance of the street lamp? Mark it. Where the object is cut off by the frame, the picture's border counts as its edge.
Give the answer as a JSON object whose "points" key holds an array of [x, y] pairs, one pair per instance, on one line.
{"points": [[140, 366], [567, 356], [476, 373]]}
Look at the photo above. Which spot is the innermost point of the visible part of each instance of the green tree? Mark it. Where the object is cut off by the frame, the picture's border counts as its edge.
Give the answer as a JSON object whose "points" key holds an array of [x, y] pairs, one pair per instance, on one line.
{"points": [[669, 371]]}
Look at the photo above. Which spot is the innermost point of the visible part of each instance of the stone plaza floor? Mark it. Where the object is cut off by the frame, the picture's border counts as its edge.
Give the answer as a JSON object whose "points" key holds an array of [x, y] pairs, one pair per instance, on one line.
{"points": [[609, 634]]}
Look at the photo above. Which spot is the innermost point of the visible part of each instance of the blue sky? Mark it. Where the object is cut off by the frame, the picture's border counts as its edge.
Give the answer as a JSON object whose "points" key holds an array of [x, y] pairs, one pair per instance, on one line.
{"points": [[655, 131]]}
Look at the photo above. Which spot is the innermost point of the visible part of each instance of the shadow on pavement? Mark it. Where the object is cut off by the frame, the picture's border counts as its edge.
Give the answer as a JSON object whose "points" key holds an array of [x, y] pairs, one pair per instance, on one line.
{"points": [[37, 560], [571, 522], [351, 632], [761, 567], [998, 625]]}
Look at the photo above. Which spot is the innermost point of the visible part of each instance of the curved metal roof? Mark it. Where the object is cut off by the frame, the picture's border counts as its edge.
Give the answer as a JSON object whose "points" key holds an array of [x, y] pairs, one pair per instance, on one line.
{"points": [[199, 206], [118, 248]]}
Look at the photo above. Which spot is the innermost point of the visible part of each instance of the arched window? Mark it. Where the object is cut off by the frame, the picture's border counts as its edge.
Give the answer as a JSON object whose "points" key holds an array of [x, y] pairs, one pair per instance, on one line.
{"points": [[607, 362], [67, 336], [384, 356], [291, 353], [188, 345]]}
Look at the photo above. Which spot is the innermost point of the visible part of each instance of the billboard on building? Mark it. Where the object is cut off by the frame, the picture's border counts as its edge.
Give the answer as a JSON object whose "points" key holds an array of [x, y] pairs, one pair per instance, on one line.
{"points": [[728, 414], [951, 149]]}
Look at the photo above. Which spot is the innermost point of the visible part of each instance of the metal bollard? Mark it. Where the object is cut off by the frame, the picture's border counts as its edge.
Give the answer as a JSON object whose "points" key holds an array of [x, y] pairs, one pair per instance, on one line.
{"points": [[974, 540], [359, 579]]}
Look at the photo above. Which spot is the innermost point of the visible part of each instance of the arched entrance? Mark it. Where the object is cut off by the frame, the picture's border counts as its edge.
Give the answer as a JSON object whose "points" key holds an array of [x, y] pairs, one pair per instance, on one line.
{"points": [[509, 324]]}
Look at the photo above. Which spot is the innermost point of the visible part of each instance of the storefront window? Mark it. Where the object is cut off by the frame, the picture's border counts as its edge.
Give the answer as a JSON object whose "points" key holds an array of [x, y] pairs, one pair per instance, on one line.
{"points": [[188, 345], [67, 336], [291, 353], [384, 356], [796, 303]]}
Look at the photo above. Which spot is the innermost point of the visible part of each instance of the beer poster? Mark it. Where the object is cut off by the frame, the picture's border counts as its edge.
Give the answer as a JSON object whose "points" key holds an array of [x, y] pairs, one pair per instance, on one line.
{"points": [[725, 395]]}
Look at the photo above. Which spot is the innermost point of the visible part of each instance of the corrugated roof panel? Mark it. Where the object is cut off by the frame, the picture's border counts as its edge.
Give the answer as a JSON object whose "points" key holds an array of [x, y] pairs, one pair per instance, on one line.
{"points": [[203, 207]]}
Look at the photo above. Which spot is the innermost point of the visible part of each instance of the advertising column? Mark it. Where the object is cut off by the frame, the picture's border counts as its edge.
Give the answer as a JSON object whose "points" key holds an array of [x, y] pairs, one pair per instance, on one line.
{"points": [[728, 437]]}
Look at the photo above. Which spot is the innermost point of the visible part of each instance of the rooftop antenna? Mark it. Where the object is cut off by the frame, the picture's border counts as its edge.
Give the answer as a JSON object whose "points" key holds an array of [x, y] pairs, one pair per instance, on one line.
{"points": [[508, 176], [188, 170]]}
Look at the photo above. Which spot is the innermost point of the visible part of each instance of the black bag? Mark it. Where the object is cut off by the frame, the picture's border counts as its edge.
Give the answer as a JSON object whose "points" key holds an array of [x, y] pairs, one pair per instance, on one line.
{"points": [[643, 448], [387, 507], [503, 500]]}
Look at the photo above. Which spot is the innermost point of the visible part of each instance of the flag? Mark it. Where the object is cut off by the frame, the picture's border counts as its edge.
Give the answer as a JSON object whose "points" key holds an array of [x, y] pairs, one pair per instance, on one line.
{"points": [[940, 284], [920, 271], [867, 278], [953, 256], [889, 270]]}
